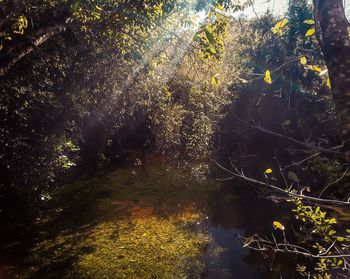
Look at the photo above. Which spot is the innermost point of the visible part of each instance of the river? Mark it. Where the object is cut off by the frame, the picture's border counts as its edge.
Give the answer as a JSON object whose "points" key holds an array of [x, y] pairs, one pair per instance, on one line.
{"points": [[149, 221]]}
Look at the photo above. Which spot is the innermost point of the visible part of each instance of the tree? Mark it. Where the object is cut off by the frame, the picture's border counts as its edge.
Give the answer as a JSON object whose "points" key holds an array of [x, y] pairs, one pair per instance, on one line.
{"points": [[26, 25], [335, 44]]}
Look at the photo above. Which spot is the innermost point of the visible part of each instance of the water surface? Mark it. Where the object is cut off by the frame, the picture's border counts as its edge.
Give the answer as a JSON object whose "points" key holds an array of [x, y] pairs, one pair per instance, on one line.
{"points": [[150, 221]]}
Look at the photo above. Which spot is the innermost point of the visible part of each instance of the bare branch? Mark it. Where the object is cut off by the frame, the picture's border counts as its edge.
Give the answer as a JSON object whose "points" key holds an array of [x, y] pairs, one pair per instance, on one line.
{"points": [[287, 192]]}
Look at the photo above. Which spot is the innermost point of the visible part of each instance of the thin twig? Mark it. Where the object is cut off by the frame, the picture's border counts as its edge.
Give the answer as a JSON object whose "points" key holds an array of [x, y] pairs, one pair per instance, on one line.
{"points": [[334, 182]]}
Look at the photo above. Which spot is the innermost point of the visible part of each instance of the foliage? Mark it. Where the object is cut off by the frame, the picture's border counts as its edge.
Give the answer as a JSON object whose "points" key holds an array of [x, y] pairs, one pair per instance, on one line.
{"points": [[283, 86], [324, 239], [57, 95]]}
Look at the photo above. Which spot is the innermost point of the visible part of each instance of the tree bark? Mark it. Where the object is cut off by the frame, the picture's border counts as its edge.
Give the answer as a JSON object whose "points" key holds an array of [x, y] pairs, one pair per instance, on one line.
{"points": [[335, 44]]}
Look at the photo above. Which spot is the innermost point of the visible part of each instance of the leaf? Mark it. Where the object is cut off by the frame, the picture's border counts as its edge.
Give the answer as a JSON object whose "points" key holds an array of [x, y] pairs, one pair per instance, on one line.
{"points": [[23, 20], [209, 35], [277, 29], [331, 232], [267, 77], [314, 68], [310, 32], [278, 225], [215, 80], [301, 268], [332, 221], [328, 83], [309, 21], [340, 239], [211, 50], [303, 60], [219, 7], [268, 171]]}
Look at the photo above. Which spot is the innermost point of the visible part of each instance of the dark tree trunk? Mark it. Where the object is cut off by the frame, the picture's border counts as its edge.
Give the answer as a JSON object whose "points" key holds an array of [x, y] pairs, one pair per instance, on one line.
{"points": [[335, 43]]}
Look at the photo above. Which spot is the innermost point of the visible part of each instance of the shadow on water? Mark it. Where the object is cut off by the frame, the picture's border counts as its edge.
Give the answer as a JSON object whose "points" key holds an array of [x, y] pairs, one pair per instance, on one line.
{"points": [[238, 212], [145, 222]]}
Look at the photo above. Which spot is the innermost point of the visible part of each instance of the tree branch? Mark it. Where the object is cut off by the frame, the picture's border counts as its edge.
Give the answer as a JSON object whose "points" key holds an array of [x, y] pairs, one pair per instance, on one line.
{"points": [[42, 36]]}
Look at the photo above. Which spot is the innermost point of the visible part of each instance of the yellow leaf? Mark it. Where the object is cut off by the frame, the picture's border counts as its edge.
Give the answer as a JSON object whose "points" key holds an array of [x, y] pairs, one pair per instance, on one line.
{"points": [[267, 77], [303, 60], [278, 225], [268, 171], [277, 29], [215, 80], [281, 23], [310, 32], [309, 21], [328, 83], [314, 68]]}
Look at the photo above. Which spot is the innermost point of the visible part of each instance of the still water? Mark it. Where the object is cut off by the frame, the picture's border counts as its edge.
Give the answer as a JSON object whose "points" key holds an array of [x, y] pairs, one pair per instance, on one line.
{"points": [[149, 221]]}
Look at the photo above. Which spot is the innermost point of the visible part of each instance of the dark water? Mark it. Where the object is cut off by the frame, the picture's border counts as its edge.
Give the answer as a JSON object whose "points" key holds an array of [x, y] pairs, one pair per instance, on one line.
{"points": [[64, 237], [239, 212]]}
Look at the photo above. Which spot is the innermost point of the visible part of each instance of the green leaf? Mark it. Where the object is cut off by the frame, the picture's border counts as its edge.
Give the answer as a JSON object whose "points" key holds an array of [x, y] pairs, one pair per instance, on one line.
{"points": [[209, 35]]}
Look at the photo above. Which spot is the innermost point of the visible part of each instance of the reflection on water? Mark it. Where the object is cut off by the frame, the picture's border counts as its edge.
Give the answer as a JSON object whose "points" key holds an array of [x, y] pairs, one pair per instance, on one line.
{"points": [[145, 222], [239, 212]]}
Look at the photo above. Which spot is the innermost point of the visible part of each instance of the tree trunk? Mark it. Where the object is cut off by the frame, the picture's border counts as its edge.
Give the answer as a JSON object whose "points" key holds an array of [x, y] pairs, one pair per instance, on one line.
{"points": [[335, 36]]}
